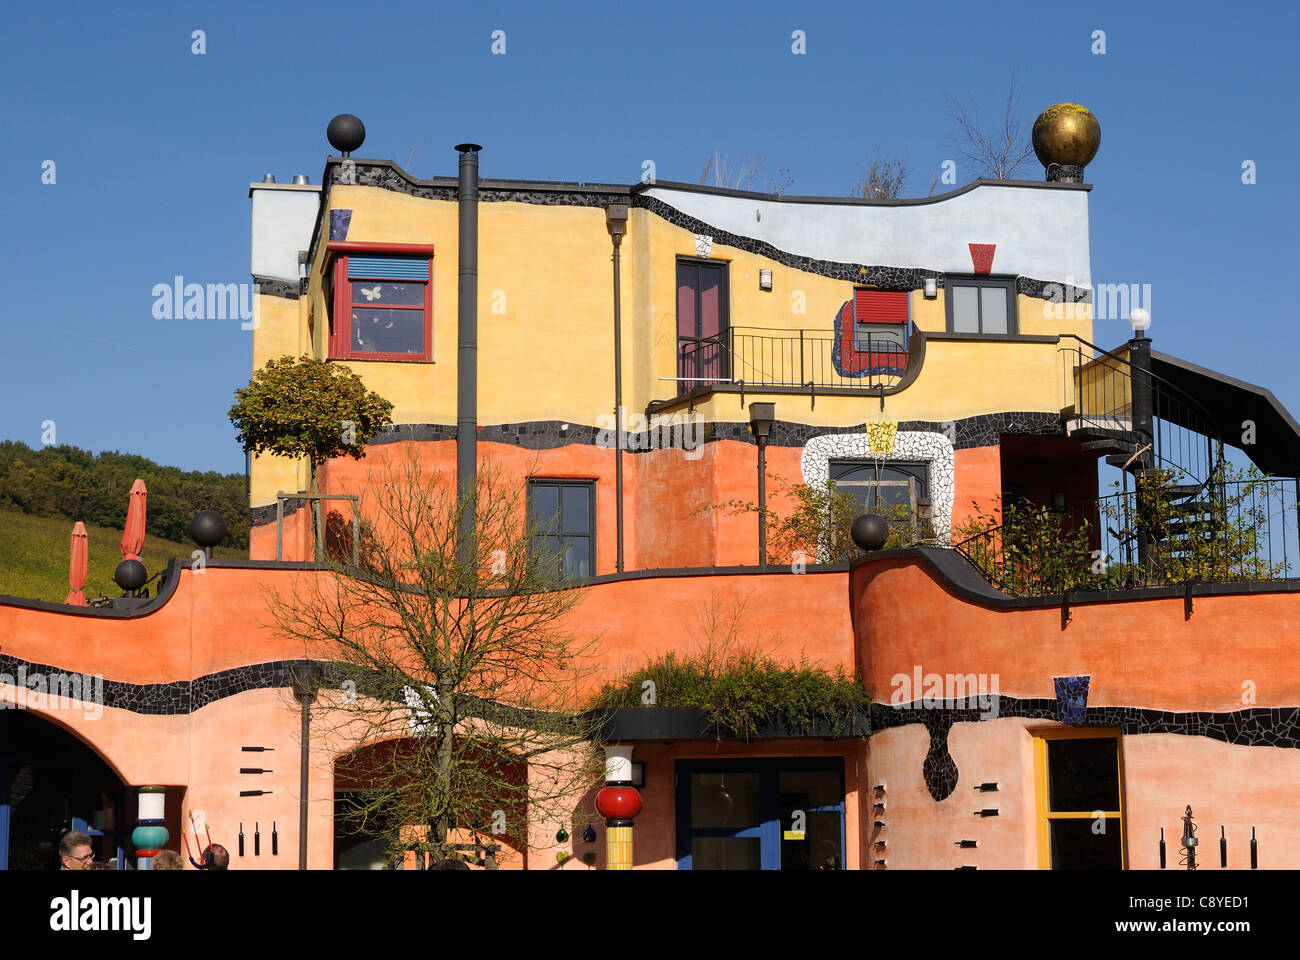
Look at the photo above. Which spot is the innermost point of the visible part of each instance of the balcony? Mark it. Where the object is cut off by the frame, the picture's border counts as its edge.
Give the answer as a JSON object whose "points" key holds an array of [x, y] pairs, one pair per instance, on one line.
{"points": [[767, 360]]}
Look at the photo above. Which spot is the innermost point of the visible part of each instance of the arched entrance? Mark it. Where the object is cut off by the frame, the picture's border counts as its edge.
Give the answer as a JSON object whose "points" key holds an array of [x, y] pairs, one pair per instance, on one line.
{"points": [[51, 782]]}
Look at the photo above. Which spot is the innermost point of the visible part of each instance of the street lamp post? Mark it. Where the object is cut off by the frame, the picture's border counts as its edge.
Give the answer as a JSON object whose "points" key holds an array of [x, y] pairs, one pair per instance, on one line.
{"points": [[761, 418]]}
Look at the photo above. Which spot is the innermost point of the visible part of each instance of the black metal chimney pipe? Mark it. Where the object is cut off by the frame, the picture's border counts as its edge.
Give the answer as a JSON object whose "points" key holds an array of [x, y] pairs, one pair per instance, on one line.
{"points": [[467, 343]]}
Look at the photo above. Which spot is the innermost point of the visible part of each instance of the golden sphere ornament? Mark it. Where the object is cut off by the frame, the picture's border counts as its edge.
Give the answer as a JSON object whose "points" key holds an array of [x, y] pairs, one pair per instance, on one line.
{"points": [[1066, 134]]}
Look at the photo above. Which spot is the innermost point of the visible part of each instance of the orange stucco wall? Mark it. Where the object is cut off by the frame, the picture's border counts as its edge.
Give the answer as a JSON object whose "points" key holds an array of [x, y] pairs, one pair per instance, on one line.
{"points": [[1234, 652], [217, 620], [1138, 652]]}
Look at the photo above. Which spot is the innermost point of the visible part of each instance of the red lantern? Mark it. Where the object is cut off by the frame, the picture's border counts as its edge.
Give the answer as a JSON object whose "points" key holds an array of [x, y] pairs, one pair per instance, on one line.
{"points": [[618, 803]]}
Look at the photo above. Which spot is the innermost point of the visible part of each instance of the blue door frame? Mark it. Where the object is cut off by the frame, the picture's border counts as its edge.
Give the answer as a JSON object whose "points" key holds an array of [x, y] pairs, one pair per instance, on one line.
{"points": [[770, 827]]}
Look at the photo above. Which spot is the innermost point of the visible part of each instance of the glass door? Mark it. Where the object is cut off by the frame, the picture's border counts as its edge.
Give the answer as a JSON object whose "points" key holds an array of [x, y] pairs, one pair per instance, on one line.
{"points": [[701, 323], [785, 814]]}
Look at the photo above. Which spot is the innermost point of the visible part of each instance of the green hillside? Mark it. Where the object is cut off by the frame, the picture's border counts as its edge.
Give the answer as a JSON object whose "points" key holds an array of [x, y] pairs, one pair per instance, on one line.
{"points": [[34, 557]]}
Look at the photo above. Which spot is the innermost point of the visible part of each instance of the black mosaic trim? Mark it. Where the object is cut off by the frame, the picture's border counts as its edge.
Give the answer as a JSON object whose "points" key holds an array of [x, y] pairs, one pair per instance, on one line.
{"points": [[278, 288], [263, 515], [885, 277], [982, 430], [1252, 727], [167, 699]]}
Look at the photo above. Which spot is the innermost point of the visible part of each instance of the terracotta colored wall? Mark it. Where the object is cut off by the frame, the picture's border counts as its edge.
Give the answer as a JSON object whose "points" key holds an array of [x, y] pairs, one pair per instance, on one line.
{"points": [[1139, 652], [1234, 786], [920, 833], [977, 482]]}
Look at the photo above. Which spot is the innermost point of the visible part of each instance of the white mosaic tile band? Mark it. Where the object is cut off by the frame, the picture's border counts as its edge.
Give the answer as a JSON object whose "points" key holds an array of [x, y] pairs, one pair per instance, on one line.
{"points": [[933, 448]]}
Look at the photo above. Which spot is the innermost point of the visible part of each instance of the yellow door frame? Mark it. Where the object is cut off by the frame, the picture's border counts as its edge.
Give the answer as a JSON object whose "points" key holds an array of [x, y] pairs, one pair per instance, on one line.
{"points": [[1046, 816]]}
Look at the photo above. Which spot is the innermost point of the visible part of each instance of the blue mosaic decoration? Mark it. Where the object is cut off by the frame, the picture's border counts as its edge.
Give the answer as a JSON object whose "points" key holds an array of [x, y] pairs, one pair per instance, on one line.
{"points": [[339, 222], [1071, 698]]}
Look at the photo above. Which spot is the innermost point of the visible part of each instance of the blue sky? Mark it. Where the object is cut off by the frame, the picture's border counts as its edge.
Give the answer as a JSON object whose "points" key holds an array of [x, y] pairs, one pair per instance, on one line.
{"points": [[154, 149]]}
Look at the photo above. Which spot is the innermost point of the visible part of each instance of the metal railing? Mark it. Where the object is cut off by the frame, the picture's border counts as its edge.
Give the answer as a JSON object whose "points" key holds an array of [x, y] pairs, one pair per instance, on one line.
{"points": [[1231, 532], [813, 359], [1098, 387]]}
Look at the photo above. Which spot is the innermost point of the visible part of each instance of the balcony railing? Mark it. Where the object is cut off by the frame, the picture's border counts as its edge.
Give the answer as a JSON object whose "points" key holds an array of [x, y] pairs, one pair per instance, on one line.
{"points": [[1228, 532], [802, 359]]}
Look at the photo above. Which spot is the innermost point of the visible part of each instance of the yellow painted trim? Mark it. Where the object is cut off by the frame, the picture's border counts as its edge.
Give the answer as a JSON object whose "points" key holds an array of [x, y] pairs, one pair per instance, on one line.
{"points": [[1044, 816]]}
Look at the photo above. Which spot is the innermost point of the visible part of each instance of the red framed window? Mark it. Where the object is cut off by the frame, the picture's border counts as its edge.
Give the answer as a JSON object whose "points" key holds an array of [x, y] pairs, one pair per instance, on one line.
{"points": [[383, 306]]}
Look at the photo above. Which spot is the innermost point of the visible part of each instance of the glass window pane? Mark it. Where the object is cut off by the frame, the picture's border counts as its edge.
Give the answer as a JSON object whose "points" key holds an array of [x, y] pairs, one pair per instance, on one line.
{"points": [[726, 853], [994, 303], [724, 799], [1077, 846], [1083, 775], [577, 557], [577, 509], [377, 292], [818, 848], [687, 280], [545, 506], [711, 305], [801, 789], [387, 331], [965, 310]]}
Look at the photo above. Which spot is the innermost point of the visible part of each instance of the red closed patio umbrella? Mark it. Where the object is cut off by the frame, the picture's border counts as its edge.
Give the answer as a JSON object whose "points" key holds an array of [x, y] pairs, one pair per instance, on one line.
{"points": [[133, 537], [77, 566]]}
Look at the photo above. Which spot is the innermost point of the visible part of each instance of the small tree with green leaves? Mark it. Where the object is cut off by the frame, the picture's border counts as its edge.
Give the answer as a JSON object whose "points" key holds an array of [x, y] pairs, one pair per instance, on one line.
{"points": [[304, 407], [1028, 550]]}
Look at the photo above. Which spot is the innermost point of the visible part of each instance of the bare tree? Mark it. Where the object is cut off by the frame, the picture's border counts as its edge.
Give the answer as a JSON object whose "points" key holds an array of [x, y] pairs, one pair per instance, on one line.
{"points": [[996, 151], [883, 179], [744, 174], [452, 685]]}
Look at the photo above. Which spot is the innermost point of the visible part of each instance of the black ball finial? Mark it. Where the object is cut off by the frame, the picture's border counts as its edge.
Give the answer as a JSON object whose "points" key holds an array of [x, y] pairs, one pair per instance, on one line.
{"points": [[208, 528], [346, 133], [130, 575], [870, 531]]}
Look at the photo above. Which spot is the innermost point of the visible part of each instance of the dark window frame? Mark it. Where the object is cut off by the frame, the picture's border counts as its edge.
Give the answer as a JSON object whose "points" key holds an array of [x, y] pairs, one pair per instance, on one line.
{"points": [[537, 530], [1007, 283], [724, 318], [770, 829]]}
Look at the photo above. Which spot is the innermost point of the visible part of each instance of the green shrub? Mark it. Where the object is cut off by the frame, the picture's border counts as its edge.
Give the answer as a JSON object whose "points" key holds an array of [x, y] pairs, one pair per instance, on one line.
{"points": [[744, 693]]}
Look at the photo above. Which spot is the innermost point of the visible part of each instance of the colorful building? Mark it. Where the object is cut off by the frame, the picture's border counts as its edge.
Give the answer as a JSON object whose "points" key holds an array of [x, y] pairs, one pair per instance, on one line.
{"points": [[931, 356]]}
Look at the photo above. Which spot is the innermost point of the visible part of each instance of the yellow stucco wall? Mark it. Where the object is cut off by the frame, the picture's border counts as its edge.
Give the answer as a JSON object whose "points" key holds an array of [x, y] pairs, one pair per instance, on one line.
{"points": [[545, 324]]}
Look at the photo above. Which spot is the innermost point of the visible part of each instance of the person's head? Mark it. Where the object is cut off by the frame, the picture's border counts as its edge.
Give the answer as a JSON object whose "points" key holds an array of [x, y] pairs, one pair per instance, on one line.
{"points": [[167, 860], [102, 865], [220, 857], [75, 852]]}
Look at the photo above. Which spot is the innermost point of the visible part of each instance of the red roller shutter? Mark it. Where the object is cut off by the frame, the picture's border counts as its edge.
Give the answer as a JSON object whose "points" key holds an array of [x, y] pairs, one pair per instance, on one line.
{"points": [[880, 306]]}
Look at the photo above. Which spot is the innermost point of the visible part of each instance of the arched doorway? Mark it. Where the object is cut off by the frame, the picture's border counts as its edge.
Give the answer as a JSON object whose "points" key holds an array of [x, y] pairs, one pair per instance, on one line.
{"points": [[51, 782]]}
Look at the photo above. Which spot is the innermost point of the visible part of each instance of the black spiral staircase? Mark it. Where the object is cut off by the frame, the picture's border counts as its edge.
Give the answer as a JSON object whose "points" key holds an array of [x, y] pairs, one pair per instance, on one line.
{"points": [[1152, 431]]}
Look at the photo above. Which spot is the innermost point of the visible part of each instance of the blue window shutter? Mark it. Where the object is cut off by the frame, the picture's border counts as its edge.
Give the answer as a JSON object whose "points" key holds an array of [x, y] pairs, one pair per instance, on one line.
{"points": [[388, 268]]}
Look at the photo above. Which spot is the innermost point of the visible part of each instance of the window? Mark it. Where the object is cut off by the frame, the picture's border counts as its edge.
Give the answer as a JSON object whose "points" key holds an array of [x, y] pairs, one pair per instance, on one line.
{"points": [[1079, 787], [701, 323], [881, 486], [760, 814], [562, 521], [981, 305], [383, 308]]}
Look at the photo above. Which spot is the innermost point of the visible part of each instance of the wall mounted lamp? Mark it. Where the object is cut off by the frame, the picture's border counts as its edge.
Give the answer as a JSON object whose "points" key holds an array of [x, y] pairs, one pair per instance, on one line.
{"points": [[765, 279], [931, 288]]}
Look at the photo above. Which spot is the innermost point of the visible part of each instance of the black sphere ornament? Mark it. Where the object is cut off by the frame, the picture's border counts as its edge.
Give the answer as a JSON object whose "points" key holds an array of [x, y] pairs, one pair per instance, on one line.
{"points": [[208, 528], [870, 531], [130, 575], [346, 133]]}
